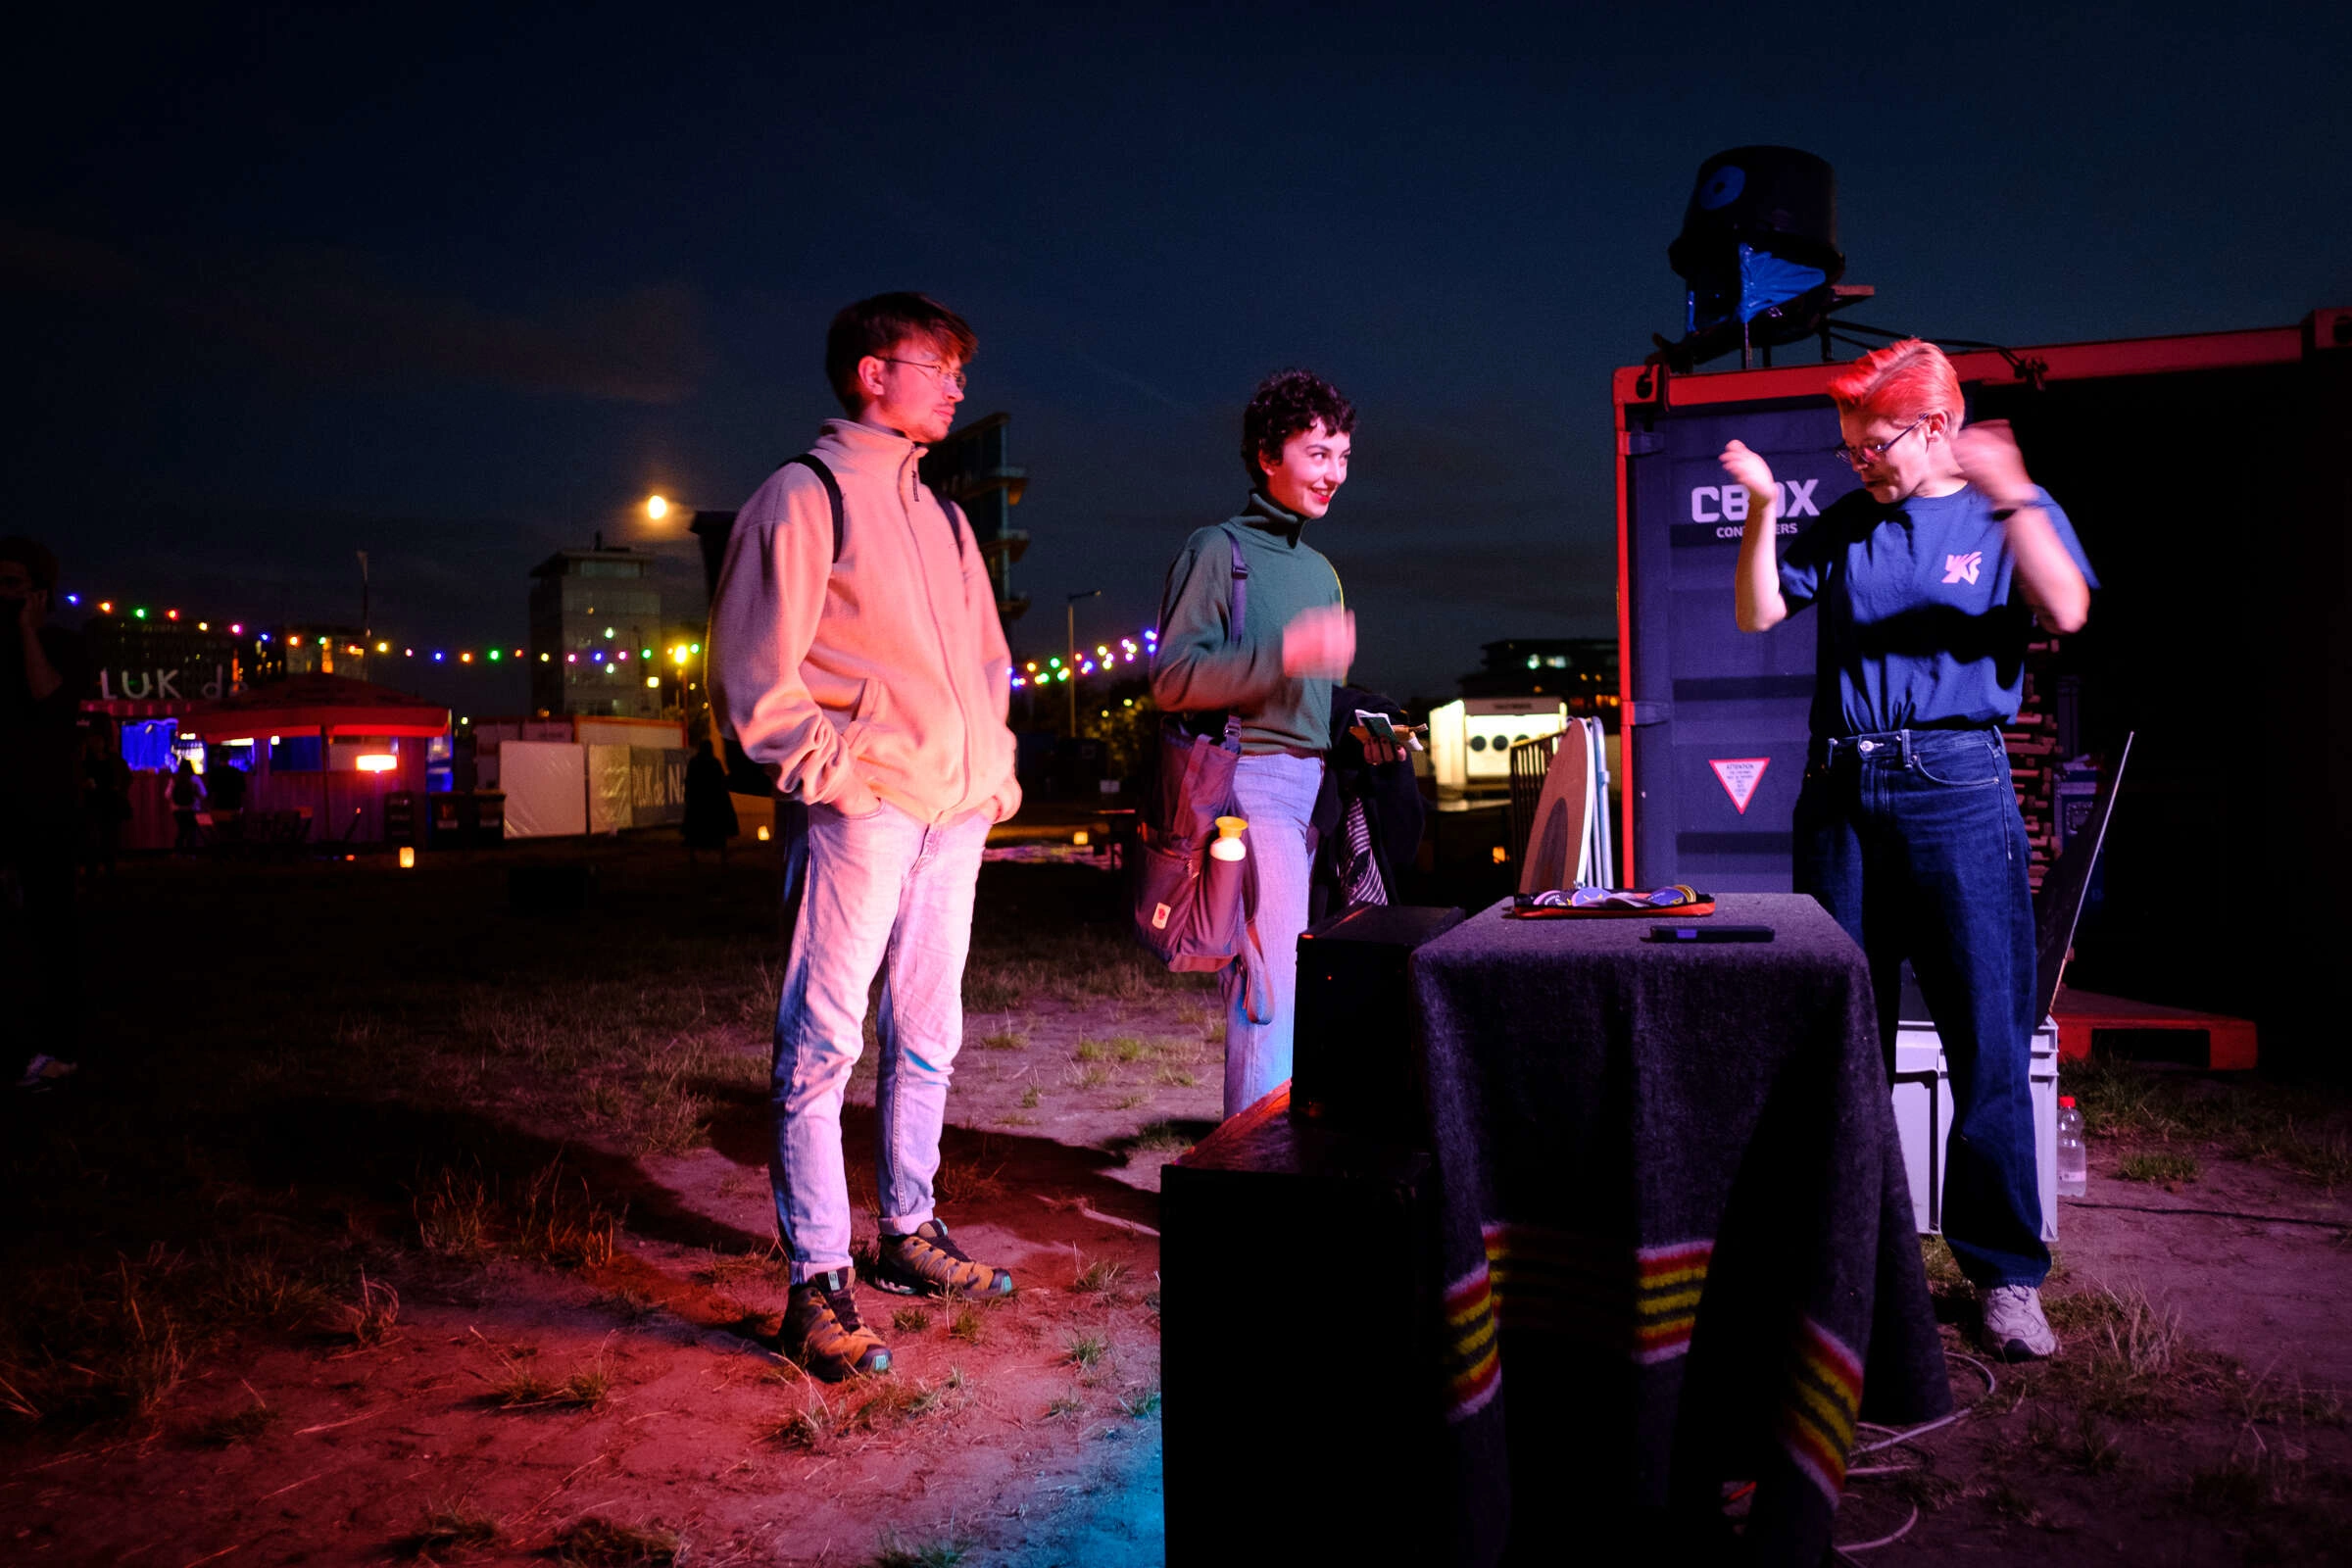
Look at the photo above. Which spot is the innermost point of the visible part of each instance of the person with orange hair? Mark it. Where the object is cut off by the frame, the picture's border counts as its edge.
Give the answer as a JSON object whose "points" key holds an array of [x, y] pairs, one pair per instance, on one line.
{"points": [[1927, 581]]}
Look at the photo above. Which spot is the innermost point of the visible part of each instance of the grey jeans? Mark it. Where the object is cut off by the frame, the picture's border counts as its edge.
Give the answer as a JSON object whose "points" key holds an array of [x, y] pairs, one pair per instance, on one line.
{"points": [[1277, 794], [879, 888]]}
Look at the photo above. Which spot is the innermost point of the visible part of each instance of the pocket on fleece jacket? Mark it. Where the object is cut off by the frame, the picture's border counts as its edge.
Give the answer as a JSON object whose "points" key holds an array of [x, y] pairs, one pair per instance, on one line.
{"points": [[863, 715]]}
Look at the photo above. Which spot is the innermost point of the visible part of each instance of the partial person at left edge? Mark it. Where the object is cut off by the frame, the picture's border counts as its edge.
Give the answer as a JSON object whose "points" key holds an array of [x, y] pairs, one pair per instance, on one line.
{"points": [[44, 672]]}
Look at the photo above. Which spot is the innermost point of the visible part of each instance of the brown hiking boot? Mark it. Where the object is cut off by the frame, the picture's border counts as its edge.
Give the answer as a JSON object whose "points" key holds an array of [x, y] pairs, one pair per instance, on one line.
{"points": [[929, 1264], [822, 1331]]}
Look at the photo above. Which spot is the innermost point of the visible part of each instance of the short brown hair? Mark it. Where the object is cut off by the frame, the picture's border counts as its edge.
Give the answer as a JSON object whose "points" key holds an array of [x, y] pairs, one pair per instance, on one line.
{"points": [[876, 325], [1899, 380]]}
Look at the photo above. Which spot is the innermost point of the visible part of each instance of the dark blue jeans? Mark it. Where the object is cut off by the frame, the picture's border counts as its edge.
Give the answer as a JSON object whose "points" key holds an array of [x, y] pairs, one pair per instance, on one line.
{"points": [[1913, 843]]}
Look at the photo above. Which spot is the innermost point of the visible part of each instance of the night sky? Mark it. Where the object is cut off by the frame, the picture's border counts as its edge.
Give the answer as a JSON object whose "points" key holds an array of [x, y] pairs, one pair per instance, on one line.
{"points": [[280, 286]]}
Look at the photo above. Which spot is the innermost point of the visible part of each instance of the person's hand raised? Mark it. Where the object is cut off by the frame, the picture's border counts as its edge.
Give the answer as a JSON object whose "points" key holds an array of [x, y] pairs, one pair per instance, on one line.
{"points": [[1319, 643], [1750, 470], [1993, 466]]}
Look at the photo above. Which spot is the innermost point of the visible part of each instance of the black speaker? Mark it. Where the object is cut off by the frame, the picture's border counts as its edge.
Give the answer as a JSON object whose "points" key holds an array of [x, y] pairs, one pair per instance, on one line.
{"points": [[1302, 1425], [1775, 199], [1355, 1059]]}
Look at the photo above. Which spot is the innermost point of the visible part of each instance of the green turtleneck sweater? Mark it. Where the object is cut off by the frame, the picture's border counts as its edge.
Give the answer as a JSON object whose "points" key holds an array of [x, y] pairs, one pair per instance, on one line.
{"points": [[1202, 667]]}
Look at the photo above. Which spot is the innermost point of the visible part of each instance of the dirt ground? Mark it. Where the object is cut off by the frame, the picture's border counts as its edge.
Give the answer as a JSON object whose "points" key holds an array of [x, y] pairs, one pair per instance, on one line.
{"points": [[393, 1223], [399, 1225]]}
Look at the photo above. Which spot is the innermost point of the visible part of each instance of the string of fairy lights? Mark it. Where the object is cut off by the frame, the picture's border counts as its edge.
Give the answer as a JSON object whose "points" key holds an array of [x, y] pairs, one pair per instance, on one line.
{"points": [[1104, 658], [485, 658], [1107, 657]]}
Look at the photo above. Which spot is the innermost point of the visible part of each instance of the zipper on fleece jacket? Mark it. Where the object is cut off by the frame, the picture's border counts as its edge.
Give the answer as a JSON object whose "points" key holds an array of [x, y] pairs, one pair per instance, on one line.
{"points": [[946, 659]]}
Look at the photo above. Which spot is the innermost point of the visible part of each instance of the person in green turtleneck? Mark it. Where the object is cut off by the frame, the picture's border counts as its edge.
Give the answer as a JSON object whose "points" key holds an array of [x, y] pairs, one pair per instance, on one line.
{"points": [[1275, 671]]}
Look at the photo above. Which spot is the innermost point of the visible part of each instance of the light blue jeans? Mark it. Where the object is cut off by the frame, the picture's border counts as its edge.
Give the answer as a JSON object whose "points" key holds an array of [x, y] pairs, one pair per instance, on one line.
{"points": [[1277, 795], [872, 889]]}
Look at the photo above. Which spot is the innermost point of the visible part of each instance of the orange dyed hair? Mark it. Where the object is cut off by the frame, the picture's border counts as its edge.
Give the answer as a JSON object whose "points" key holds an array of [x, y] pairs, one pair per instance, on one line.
{"points": [[1899, 381]]}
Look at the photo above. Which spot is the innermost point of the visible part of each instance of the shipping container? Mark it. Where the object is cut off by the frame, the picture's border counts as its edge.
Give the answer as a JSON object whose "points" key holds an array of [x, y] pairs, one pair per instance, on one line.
{"points": [[2207, 477]]}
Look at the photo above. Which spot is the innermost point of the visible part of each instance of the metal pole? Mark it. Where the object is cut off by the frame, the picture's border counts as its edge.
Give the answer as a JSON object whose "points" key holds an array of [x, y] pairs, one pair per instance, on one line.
{"points": [[1069, 670]]}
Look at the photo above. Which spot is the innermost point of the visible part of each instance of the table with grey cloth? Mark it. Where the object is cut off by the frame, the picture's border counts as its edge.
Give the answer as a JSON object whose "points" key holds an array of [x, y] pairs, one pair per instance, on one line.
{"points": [[1676, 1242]]}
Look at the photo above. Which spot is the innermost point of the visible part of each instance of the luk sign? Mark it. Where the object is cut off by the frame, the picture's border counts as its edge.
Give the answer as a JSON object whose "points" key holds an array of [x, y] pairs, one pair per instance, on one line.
{"points": [[159, 684], [1740, 776]]}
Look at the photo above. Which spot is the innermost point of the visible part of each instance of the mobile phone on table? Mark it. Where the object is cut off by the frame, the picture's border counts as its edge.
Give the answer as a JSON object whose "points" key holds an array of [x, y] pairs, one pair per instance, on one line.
{"points": [[1710, 932]]}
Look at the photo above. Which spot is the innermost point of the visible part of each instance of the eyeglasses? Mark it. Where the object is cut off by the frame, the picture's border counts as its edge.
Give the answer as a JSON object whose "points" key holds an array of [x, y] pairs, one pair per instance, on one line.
{"points": [[1857, 455], [953, 378]]}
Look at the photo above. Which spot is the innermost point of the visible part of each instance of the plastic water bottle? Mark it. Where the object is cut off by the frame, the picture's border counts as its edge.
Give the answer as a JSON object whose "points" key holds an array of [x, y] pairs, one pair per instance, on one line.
{"points": [[1229, 845], [2073, 1155]]}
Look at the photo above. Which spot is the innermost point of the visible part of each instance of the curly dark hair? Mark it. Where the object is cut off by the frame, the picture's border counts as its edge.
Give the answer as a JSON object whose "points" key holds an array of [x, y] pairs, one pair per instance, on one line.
{"points": [[1284, 404]]}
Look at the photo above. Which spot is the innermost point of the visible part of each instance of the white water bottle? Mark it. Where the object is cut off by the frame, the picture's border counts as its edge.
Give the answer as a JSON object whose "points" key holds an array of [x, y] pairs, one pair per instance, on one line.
{"points": [[2073, 1155], [1229, 845]]}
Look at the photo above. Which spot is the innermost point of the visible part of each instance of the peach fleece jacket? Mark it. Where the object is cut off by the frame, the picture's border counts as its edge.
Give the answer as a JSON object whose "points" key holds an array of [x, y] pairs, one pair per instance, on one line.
{"points": [[880, 676]]}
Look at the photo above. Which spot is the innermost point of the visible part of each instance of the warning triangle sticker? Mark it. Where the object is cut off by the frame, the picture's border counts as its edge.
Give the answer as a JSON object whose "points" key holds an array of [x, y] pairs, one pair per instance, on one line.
{"points": [[1740, 776]]}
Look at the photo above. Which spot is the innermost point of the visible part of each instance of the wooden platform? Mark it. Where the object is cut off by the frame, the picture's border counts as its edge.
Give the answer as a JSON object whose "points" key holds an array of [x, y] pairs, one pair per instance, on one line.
{"points": [[2229, 1045]]}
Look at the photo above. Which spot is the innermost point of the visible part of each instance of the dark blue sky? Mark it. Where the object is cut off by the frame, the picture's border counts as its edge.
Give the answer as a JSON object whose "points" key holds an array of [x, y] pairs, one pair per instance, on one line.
{"points": [[283, 286]]}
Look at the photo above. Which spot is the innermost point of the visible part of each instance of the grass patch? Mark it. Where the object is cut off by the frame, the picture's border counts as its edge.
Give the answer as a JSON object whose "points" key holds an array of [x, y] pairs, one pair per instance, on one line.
{"points": [[2124, 1357], [1031, 1098], [910, 1320], [1133, 1101], [1008, 1039], [1098, 1277], [896, 1551], [1142, 1404], [1086, 1351], [546, 1218], [450, 1530], [1094, 1077], [2306, 1129], [1090, 1051], [2159, 1167], [1176, 1077], [1161, 1136], [967, 1326], [598, 1543], [1067, 1402], [375, 1313]]}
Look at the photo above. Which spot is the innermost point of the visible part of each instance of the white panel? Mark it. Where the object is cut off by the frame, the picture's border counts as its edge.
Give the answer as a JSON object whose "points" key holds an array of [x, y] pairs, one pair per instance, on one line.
{"points": [[608, 788], [546, 788]]}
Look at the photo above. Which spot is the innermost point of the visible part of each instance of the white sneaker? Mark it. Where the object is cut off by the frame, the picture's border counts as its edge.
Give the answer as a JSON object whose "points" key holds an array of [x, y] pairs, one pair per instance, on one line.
{"points": [[2015, 1329]]}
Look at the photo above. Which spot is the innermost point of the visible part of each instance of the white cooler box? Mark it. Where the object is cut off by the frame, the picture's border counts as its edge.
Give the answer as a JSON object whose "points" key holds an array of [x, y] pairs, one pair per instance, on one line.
{"points": [[1922, 1114]]}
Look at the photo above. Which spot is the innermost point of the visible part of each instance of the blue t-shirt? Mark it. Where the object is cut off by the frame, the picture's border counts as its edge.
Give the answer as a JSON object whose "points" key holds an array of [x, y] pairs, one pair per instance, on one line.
{"points": [[1922, 620]]}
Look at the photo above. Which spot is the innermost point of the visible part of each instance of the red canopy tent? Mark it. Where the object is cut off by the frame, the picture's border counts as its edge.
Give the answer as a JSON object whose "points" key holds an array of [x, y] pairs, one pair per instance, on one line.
{"points": [[343, 803], [326, 706]]}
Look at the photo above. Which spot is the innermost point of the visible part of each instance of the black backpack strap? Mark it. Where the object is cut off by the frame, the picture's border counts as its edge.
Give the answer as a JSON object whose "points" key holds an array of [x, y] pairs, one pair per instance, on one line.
{"points": [[816, 465], [956, 522]]}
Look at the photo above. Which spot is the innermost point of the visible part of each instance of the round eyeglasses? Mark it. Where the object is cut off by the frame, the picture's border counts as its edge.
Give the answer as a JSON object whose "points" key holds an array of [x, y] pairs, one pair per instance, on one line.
{"points": [[953, 378], [1856, 455]]}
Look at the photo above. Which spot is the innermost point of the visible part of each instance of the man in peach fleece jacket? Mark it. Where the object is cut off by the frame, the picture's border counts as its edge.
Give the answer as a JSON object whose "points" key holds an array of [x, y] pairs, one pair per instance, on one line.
{"points": [[864, 667]]}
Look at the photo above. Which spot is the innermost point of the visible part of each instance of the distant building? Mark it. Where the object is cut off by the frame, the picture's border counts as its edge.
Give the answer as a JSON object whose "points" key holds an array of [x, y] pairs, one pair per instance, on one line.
{"points": [[970, 469], [322, 649], [597, 635], [1582, 672]]}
